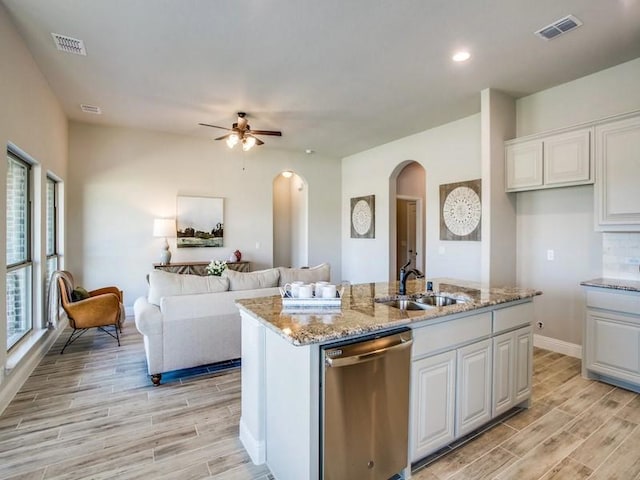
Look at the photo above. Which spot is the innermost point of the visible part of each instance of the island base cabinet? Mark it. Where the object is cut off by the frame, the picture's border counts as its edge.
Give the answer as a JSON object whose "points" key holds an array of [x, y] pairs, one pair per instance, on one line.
{"points": [[432, 403], [613, 345], [512, 367], [474, 379], [451, 396]]}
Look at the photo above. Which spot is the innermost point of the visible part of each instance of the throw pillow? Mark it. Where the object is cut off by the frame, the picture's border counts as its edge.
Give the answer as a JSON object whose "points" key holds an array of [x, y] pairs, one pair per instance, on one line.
{"points": [[165, 284], [78, 294], [252, 280], [319, 273]]}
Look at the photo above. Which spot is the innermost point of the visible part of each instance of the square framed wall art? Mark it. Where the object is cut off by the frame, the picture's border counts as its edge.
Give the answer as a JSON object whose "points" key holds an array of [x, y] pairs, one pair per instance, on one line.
{"points": [[363, 217], [200, 222]]}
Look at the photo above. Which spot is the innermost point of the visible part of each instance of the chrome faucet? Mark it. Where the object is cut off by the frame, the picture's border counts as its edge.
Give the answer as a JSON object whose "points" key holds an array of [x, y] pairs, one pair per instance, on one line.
{"points": [[404, 274]]}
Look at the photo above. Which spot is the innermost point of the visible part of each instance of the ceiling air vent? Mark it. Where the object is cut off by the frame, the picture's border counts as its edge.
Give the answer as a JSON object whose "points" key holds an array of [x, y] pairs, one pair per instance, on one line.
{"points": [[557, 28], [68, 44], [90, 109]]}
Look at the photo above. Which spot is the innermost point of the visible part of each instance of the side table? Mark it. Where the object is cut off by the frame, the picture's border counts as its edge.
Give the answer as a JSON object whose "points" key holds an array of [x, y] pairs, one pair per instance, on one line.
{"points": [[198, 268]]}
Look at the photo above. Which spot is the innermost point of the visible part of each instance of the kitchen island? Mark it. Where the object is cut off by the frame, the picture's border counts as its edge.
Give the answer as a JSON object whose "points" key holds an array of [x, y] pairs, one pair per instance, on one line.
{"points": [[471, 361]]}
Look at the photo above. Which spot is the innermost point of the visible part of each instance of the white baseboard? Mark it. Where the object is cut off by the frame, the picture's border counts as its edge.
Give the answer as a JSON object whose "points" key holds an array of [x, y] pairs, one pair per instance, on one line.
{"points": [[559, 346], [256, 449]]}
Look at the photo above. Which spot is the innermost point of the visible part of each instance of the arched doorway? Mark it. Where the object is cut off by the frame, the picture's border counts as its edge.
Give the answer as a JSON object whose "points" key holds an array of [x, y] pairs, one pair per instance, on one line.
{"points": [[407, 201], [290, 220]]}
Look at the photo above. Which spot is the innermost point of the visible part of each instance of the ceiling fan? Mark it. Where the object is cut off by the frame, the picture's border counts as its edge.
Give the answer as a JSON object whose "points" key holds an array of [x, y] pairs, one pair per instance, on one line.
{"points": [[240, 132]]}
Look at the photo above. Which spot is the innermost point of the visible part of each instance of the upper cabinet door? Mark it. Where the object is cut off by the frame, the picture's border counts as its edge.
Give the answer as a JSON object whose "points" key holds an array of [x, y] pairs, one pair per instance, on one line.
{"points": [[566, 159], [617, 189], [524, 165]]}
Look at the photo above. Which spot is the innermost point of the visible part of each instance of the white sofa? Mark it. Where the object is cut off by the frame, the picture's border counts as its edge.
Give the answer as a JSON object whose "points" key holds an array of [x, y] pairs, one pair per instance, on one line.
{"points": [[190, 320]]}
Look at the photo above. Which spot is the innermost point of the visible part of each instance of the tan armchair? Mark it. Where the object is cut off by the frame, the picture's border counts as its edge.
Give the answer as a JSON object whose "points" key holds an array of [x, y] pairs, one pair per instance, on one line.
{"points": [[103, 308]]}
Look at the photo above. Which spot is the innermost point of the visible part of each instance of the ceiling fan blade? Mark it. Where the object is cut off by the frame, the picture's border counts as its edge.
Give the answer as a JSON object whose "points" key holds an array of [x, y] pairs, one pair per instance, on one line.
{"points": [[266, 132], [213, 126], [258, 141], [223, 137]]}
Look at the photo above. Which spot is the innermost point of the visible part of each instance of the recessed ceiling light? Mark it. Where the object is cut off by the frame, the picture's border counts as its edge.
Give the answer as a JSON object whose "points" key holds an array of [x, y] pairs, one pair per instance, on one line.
{"points": [[308, 151], [461, 56]]}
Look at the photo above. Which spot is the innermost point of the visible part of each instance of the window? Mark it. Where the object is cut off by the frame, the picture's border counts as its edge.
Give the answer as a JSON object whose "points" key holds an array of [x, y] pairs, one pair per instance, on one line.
{"points": [[19, 266], [51, 233]]}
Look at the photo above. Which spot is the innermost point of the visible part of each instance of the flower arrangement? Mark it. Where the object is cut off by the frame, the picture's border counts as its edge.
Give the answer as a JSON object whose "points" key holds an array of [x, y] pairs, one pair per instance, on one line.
{"points": [[216, 267]]}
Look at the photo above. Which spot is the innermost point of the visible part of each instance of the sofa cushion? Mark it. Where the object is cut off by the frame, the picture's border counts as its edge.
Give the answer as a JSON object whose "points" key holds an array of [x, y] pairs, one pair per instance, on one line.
{"points": [[164, 284], [252, 280], [319, 273]]}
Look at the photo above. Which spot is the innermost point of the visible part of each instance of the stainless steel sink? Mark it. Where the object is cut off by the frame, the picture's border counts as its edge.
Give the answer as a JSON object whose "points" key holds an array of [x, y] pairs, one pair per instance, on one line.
{"points": [[436, 300], [406, 304]]}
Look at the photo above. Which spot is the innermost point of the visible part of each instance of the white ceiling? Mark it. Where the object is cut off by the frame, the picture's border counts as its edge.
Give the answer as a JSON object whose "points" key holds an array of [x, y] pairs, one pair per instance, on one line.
{"points": [[336, 76]]}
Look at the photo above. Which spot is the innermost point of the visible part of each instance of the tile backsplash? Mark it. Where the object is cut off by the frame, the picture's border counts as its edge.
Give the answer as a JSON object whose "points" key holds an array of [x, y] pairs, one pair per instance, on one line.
{"points": [[621, 255]]}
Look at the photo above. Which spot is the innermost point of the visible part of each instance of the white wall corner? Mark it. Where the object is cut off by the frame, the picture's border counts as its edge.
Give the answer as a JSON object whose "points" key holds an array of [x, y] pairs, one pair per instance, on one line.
{"points": [[559, 346]]}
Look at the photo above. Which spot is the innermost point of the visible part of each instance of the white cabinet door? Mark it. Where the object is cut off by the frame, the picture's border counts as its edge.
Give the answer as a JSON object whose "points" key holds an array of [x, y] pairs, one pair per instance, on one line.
{"points": [[617, 189], [567, 159], [432, 403], [524, 165], [503, 373], [613, 345], [523, 342], [473, 386], [512, 367]]}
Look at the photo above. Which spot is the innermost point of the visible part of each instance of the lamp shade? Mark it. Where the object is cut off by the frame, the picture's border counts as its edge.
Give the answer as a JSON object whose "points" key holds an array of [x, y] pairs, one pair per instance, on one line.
{"points": [[164, 227]]}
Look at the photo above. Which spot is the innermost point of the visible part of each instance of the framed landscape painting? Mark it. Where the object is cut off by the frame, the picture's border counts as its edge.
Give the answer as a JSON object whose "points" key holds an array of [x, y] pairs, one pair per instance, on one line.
{"points": [[200, 222]]}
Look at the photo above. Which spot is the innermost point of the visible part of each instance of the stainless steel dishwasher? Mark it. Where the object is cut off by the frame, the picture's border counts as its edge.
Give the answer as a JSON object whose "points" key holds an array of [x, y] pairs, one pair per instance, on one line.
{"points": [[365, 407]]}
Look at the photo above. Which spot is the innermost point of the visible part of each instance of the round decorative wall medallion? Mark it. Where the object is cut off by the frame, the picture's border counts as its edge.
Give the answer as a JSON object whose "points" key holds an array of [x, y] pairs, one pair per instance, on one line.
{"points": [[462, 211], [361, 217]]}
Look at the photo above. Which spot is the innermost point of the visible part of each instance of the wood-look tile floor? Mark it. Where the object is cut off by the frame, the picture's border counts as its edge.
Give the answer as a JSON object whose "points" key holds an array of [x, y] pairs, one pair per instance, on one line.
{"points": [[92, 413]]}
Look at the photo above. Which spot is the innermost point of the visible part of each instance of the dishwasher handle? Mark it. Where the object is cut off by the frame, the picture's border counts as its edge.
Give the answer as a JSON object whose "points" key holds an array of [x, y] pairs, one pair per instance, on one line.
{"points": [[366, 357]]}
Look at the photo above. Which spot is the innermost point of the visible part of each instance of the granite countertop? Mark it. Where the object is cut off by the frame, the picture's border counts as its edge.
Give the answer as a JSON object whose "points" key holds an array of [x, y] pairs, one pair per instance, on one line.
{"points": [[361, 314], [613, 283]]}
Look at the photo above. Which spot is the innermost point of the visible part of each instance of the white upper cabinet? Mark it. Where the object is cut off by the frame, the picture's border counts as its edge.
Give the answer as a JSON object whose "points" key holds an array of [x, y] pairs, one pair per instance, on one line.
{"points": [[567, 160], [617, 190], [548, 161], [524, 165]]}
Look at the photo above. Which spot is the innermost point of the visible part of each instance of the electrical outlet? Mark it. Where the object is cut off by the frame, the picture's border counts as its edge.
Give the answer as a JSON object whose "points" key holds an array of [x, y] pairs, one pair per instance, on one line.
{"points": [[551, 255], [540, 325]]}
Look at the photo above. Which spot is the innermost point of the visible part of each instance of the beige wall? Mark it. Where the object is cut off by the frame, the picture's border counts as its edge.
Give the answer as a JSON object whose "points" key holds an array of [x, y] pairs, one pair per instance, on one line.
{"points": [[121, 178], [562, 219], [32, 120], [449, 153]]}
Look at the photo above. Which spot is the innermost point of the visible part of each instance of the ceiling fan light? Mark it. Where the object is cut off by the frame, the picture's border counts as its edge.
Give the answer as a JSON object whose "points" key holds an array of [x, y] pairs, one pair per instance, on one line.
{"points": [[248, 143], [232, 140]]}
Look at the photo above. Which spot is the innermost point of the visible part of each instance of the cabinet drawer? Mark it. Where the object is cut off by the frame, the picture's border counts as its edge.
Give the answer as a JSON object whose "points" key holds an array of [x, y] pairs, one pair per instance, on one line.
{"points": [[512, 317], [441, 336], [620, 302]]}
